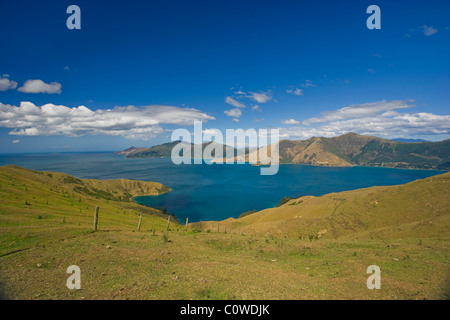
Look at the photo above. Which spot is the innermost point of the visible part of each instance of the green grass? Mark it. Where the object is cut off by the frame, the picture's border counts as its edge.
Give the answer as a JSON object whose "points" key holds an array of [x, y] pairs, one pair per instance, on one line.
{"points": [[219, 266], [260, 256], [38, 208]]}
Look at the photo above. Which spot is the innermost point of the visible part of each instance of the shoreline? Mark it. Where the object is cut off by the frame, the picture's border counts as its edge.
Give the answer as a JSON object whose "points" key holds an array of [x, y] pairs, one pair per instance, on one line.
{"points": [[194, 223]]}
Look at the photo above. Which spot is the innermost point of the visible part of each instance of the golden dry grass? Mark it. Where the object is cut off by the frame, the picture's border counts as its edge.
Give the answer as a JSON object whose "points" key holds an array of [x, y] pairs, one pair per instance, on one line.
{"points": [[266, 255]]}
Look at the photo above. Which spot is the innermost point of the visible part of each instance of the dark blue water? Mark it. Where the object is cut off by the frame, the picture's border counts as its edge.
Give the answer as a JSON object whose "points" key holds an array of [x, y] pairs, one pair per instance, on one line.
{"points": [[216, 192]]}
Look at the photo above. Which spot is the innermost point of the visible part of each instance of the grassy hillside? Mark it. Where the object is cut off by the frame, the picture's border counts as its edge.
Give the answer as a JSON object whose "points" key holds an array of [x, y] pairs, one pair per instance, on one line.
{"points": [[46, 222], [417, 209], [38, 207]]}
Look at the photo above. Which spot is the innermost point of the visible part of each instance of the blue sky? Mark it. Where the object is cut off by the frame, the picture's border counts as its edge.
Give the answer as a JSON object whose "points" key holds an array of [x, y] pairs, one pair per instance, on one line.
{"points": [[309, 68]]}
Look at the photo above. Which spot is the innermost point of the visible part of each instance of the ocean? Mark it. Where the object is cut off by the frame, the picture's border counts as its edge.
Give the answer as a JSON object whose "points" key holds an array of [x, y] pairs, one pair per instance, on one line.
{"points": [[218, 191]]}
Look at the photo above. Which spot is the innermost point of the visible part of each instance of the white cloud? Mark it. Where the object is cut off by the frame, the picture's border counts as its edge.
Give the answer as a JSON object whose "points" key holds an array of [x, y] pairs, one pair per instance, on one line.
{"points": [[236, 113], [15, 141], [297, 92], [66, 68], [235, 119], [6, 84], [130, 122], [308, 83], [428, 31], [360, 111], [39, 86], [377, 118], [260, 97], [290, 121], [211, 132], [234, 102]]}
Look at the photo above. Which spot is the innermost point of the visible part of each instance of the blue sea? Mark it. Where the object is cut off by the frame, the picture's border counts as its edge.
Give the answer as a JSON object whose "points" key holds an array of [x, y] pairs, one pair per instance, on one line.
{"points": [[218, 191]]}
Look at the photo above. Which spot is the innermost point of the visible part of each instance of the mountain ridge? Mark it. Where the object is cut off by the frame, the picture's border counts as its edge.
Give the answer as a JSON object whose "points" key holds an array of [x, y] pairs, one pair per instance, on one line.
{"points": [[165, 150], [346, 150]]}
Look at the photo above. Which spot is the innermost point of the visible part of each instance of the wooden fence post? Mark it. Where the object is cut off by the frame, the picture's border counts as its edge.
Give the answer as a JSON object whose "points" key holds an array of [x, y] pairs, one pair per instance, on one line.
{"points": [[168, 223], [95, 219], [217, 227], [187, 220], [140, 220]]}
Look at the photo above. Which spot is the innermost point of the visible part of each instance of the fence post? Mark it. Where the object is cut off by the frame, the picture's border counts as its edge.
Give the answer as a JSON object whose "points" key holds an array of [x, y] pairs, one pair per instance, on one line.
{"points": [[140, 220], [95, 219], [187, 220], [168, 223]]}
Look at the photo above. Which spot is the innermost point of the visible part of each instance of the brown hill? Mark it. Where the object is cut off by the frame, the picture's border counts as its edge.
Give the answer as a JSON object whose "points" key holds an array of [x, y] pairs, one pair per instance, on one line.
{"points": [[352, 149], [417, 209]]}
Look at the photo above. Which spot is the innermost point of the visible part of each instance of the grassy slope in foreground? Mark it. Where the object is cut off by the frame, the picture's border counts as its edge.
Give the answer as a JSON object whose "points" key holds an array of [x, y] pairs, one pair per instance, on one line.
{"points": [[38, 207], [417, 209], [118, 263]]}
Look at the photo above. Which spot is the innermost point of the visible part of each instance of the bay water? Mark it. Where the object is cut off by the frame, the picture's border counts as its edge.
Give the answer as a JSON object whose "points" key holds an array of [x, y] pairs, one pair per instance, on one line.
{"points": [[218, 191]]}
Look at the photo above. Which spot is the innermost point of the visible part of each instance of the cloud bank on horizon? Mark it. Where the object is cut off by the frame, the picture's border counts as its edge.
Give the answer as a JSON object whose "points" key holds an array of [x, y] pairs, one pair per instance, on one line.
{"points": [[130, 122], [381, 118]]}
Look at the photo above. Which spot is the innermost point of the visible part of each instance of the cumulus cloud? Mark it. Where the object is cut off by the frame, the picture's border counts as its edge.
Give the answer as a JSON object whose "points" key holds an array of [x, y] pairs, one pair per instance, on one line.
{"points": [[290, 121], [234, 102], [39, 86], [236, 113], [377, 118], [130, 122], [6, 84], [260, 97]]}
